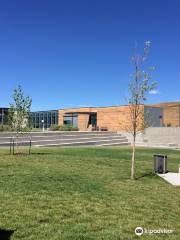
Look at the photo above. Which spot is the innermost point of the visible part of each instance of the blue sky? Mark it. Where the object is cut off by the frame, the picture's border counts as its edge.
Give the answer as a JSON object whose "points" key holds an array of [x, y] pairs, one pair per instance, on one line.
{"points": [[78, 53]]}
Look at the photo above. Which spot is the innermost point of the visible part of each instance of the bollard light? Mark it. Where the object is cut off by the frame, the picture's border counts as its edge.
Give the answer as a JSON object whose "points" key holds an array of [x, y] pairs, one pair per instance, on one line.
{"points": [[42, 124]]}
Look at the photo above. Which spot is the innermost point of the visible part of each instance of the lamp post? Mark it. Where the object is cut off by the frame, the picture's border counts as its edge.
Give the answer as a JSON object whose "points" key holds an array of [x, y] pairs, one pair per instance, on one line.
{"points": [[42, 124]]}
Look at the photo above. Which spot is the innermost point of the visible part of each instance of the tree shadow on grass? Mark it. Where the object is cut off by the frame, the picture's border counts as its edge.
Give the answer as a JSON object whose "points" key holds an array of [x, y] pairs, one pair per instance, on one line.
{"points": [[146, 175], [42, 153], [6, 234], [27, 154]]}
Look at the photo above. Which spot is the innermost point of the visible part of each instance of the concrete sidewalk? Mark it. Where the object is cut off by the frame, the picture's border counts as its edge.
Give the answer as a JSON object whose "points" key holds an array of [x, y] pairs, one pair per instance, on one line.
{"points": [[172, 178]]}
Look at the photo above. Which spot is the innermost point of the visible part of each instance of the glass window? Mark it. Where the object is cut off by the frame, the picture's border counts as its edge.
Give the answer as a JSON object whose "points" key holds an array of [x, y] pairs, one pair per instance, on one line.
{"points": [[49, 117], [71, 119]]}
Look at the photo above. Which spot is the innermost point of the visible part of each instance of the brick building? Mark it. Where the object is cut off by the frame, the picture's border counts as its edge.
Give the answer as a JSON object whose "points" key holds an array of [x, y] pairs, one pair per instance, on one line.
{"points": [[114, 118], [3, 115], [171, 113]]}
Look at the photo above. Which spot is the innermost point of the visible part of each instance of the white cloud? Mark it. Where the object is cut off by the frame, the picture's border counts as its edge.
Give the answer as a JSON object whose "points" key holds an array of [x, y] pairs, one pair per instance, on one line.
{"points": [[154, 92]]}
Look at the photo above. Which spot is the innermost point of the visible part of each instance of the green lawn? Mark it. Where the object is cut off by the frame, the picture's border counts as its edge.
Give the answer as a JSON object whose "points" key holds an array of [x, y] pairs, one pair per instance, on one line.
{"points": [[85, 193]]}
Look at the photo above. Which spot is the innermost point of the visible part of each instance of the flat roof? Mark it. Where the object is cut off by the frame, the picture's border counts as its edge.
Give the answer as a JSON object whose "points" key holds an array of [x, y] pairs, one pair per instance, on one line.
{"points": [[44, 111], [125, 105], [94, 107], [161, 104]]}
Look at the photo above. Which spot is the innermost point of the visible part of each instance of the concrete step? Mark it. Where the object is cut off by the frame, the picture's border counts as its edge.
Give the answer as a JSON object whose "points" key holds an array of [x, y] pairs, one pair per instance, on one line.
{"points": [[60, 140], [114, 143], [53, 133], [68, 139], [86, 143], [55, 137], [82, 139], [62, 135]]}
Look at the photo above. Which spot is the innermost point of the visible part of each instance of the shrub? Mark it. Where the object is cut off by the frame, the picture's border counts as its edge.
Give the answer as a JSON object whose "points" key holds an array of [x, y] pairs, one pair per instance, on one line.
{"points": [[75, 129], [54, 127], [68, 128], [63, 128], [169, 125], [36, 129], [5, 128]]}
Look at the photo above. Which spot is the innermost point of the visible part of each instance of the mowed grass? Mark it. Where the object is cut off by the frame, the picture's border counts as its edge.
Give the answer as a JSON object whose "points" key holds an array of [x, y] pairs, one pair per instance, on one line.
{"points": [[86, 193]]}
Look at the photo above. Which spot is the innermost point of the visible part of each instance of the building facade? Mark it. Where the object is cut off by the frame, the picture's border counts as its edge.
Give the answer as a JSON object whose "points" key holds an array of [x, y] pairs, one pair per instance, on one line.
{"points": [[171, 113], [44, 119], [115, 118], [3, 116]]}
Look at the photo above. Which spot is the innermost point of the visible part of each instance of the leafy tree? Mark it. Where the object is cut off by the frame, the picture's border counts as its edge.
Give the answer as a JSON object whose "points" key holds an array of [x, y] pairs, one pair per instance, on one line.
{"points": [[19, 112], [139, 88]]}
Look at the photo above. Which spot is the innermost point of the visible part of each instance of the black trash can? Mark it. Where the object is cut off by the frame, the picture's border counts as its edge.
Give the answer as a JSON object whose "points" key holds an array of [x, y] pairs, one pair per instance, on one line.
{"points": [[160, 163]]}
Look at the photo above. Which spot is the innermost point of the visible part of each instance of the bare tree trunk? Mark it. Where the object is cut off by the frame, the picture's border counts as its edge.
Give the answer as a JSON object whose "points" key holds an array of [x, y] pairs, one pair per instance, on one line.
{"points": [[133, 158], [17, 142], [30, 144]]}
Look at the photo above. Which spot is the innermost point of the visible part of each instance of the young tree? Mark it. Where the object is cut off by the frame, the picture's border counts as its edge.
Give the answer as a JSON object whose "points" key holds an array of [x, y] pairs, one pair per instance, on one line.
{"points": [[19, 112], [139, 88]]}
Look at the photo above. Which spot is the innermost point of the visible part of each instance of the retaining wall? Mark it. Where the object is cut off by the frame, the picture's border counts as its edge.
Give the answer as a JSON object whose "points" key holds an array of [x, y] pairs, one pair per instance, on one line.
{"points": [[157, 137]]}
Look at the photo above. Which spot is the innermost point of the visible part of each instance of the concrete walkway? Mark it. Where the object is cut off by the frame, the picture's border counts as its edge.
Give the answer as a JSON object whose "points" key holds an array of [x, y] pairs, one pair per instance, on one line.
{"points": [[172, 178]]}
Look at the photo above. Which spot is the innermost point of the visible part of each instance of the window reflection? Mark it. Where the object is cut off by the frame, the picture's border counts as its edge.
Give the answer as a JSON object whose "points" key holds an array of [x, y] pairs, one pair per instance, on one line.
{"points": [[71, 119], [49, 118]]}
